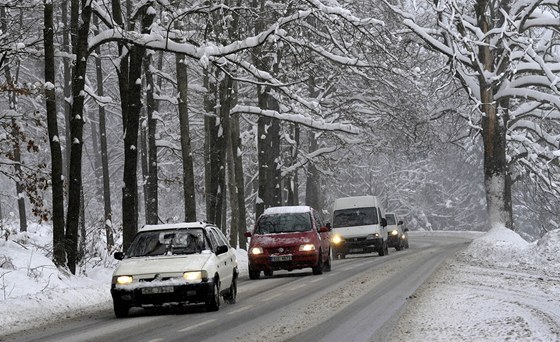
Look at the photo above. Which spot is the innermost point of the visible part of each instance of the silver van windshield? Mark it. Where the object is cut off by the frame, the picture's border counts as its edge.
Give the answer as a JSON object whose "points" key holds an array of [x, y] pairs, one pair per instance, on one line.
{"points": [[354, 217]]}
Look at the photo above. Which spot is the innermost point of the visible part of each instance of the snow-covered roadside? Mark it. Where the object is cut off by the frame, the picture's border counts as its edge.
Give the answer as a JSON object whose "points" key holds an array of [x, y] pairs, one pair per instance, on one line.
{"points": [[500, 288]]}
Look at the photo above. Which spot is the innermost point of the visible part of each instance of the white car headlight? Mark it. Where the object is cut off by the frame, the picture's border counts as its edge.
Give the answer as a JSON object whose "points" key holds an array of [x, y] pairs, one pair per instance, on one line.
{"points": [[256, 250], [195, 276], [337, 239], [124, 280], [394, 232], [307, 247]]}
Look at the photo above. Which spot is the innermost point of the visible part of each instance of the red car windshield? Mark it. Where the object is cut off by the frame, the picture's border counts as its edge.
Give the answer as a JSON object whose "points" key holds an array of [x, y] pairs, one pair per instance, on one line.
{"points": [[283, 223]]}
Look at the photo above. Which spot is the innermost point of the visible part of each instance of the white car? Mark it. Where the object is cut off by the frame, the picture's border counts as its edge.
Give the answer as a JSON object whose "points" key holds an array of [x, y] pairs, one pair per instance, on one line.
{"points": [[180, 263]]}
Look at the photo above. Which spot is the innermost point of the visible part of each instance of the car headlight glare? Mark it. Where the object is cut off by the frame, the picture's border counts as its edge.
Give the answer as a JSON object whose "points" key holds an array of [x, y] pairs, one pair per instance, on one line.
{"points": [[394, 232], [195, 276], [307, 247], [337, 239], [124, 280], [256, 250]]}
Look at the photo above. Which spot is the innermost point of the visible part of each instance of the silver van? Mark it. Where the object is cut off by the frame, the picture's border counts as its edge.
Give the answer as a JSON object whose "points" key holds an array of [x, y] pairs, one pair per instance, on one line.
{"points": [[359, 226]]}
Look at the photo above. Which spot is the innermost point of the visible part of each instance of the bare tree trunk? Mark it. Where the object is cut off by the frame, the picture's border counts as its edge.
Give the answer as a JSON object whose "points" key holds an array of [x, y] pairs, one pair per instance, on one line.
{"points": [[80, 28], [122, 70], [186, 149], [313, 184], [292, 179], [59, 255], [130, 189], [102, 156], [497, 179], [67, 70], [214, 166], [239, 181], [81, 254], [151, 187]]}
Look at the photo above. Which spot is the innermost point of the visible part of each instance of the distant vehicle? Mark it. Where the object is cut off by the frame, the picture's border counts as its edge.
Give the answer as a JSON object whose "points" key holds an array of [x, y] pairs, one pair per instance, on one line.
{"points": [[395, 232], [405, 238], [180, 263], [359, 226], [289, 238]]}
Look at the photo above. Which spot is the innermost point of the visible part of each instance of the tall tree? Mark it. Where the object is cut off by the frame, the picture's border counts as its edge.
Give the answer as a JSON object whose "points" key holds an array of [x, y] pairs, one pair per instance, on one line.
{"points": [[80, 19], [501, 51], [151, 178], [103, 153], [59, 254], [189, 199], [134, 91]]}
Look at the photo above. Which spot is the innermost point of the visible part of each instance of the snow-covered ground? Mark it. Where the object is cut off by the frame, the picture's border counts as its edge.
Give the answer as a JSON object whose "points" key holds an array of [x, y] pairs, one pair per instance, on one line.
{"points": [[500, 288]]}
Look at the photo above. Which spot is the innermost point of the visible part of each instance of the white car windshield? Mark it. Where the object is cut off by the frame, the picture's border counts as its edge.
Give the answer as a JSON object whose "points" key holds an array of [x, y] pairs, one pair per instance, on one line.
{"points": [[167, 242]]}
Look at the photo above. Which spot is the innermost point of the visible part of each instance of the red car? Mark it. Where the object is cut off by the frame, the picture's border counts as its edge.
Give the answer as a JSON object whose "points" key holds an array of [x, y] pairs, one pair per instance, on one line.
{"points": [[289, 238]]}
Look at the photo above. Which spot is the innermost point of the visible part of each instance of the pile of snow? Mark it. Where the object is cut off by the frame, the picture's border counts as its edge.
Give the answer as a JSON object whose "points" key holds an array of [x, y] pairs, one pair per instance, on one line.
{"points": [[503, 248]]}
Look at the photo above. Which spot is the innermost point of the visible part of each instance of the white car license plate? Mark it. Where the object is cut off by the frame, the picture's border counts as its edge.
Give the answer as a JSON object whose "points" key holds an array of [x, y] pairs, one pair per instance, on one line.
{"points": [[280, 258], [157, 290]]}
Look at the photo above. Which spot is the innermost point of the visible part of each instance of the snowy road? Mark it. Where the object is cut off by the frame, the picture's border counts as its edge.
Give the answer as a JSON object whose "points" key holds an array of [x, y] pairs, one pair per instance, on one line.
{"points": [[350, 303]]}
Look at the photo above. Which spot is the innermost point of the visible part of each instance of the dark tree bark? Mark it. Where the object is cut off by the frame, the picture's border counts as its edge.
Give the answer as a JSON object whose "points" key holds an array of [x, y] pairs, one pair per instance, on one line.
{"points": [[80, 24], [151, 181], [497, 177], [19, 186], [313, 184], [67, 70], [122, 70], [130, 177], [186, 149], [292, 182], [102, 156], [59, 255], [214, 147], [239, 181]]}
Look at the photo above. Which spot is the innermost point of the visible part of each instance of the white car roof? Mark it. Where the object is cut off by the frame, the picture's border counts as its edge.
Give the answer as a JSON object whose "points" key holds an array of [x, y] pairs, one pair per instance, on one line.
{"points": [[288, 209], [172, 226]]}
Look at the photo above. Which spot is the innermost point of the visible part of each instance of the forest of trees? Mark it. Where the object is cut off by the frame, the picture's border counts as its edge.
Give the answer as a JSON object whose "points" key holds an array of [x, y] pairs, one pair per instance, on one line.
{"points": [[119, 113]]}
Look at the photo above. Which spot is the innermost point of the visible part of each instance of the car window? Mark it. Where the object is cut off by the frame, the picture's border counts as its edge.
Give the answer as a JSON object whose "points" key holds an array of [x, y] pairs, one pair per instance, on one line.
{"points": [[283, 223], [355, 217], [220, 237], [160, 242], [213, 240], [390, 219]]}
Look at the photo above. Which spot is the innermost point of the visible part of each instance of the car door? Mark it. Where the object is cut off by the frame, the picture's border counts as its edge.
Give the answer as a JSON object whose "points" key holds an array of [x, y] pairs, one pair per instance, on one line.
{"points": [[224, 262]]}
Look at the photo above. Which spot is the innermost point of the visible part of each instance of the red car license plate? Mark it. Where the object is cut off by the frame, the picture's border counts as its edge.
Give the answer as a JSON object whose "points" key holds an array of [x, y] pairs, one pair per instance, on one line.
{"points": [[276, 258]]}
